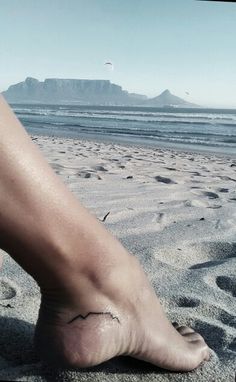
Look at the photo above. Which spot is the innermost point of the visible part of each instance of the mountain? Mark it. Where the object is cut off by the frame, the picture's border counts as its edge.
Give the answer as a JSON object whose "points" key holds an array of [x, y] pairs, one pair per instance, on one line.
{"points": [[84, 92], [54, 90], [168, 99]]}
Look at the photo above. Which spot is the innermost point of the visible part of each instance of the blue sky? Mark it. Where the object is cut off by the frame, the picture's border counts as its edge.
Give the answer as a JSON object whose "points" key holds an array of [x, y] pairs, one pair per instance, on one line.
{"points": [[182, 45]]}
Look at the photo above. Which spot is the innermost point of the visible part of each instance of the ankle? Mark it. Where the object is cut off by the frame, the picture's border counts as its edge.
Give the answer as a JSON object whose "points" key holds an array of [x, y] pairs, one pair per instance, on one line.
{"points": [[88, 252]]}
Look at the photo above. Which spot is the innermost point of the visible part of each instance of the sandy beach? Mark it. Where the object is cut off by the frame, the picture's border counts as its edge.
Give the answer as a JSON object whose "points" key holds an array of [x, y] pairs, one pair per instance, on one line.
{"points": [[175, 211]]}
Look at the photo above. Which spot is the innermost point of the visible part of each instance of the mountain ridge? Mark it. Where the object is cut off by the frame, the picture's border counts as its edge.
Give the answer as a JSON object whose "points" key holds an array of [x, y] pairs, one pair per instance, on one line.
{"points": [[85, 92]]}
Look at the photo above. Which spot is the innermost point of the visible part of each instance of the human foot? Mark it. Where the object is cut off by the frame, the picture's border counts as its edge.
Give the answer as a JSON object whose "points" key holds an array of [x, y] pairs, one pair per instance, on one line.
{"points": [[102, 312]]}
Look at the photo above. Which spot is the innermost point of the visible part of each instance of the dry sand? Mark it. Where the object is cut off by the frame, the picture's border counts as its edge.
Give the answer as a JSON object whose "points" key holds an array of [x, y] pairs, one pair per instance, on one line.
{"points": [[176, 212]]}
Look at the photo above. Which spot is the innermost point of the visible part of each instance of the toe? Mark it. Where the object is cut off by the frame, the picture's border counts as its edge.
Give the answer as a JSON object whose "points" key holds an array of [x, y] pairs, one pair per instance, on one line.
{"points": [[184, 330], [205, 348], [207, 354], [192, 336]]}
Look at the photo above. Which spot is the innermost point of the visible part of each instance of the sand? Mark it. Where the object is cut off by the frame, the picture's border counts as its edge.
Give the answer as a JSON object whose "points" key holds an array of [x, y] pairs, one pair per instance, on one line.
{"points": [[176, 212]]}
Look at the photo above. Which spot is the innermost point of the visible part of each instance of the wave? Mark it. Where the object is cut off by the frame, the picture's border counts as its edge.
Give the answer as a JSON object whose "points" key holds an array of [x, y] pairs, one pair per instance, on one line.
{"points": [[151, 121], [173, 127], [174, 136], [107, 113], [130, 127]]}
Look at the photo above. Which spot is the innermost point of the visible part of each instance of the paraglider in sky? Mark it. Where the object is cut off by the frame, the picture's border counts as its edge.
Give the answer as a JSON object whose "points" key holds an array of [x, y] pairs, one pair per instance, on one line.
{"points": [[109, 65], [187, 93]]}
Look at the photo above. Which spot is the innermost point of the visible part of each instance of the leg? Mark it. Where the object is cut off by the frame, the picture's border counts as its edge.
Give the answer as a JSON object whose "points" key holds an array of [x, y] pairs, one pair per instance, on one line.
{"points": [[96, 300]]}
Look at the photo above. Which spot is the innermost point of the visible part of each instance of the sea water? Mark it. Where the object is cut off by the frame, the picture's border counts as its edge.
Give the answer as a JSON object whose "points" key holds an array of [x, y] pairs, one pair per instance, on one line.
{"points": [[211, 130]]}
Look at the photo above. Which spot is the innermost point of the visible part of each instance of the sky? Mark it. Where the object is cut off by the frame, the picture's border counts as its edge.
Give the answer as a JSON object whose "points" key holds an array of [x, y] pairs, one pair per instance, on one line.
{"points": [[185, 46]]}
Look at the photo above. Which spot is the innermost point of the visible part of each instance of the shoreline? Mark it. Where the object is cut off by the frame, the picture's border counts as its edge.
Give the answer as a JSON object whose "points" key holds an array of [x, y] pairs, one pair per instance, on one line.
{"points": [[150, 146]]}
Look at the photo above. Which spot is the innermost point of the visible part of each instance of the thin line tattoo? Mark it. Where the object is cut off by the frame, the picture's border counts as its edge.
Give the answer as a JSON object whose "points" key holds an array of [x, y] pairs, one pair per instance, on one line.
{"points": [[98, 313]]}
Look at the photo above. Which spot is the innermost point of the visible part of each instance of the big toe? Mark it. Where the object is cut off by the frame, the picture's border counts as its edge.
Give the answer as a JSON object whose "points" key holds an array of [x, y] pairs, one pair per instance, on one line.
{"points": [[199, 346]]}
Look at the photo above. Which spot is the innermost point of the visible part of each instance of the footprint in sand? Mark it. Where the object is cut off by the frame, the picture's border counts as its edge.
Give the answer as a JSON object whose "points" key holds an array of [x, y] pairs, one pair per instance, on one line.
{"points": [[171, 168], [100, 168], [217, 313], [89, 175], [188, 302], [223, 190], [227, 284], [232, 196], [205, 203], [195, 203], [211, 195], [7, 291], [57, 168], [226, 178], [159, 217], [215, 336], [226, 318], [196, 173], [114, 160], [162, 179], [214, 253], [215, 206], [184, 302]]}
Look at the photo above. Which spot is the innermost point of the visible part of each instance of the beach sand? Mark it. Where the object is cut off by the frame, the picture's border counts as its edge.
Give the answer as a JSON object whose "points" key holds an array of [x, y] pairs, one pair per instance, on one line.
{"points": [[176, 212]]}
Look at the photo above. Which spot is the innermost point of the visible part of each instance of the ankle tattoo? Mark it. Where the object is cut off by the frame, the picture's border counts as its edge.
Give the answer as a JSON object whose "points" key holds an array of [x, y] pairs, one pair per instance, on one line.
{"points": [[97, 313]]}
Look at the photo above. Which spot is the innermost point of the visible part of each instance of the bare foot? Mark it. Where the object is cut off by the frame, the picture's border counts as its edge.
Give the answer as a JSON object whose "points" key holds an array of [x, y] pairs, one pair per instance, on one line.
{"points": [[105, 308]]}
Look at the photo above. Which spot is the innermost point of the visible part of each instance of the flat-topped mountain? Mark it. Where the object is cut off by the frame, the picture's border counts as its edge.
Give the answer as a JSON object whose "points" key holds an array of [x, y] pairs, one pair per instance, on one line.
{"points": [[55, 90], [84, 92]]}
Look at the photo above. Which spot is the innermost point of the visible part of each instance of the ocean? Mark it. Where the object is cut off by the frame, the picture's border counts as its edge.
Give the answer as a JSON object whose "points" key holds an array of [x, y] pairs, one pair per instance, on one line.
{"points": [[210, 130]]}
